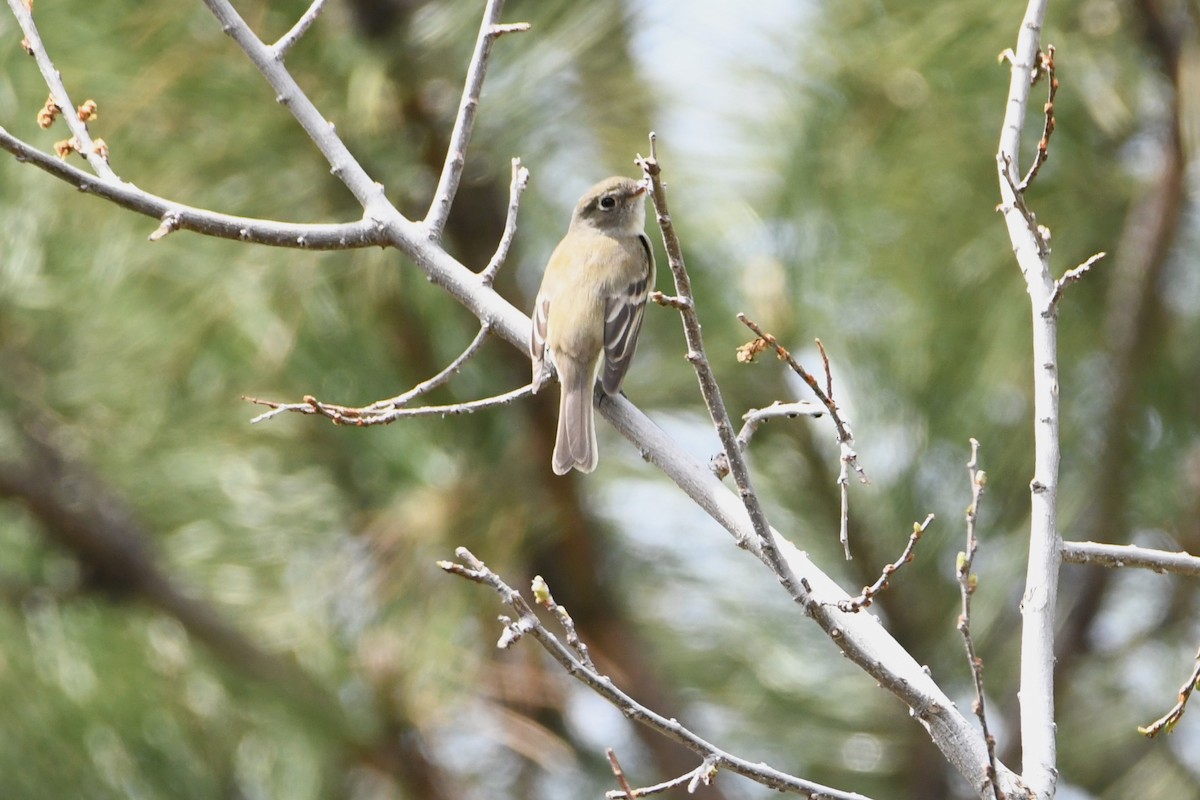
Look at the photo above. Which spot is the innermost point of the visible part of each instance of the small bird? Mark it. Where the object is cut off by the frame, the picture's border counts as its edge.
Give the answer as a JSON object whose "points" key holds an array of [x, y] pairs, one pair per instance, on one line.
{"points": [[591, 302]]}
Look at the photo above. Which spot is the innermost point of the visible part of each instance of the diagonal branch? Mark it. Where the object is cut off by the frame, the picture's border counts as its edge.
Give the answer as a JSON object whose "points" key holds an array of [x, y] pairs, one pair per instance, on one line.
{"points": [[177, 216], [288, 93], [1168, 721], [527, 623], [869, 593], [456, 152], [84, 144], [289, 39], [520, 179], [1072, 276], [704, 373]]}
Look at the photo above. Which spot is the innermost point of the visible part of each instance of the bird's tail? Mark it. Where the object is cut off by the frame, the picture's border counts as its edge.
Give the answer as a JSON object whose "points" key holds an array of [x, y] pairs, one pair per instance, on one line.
{"points": [[576, 443]]}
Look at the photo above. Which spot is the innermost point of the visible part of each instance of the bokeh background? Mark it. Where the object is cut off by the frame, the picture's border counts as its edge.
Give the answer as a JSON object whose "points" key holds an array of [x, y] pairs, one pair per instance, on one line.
{"points": [[193, 607]]}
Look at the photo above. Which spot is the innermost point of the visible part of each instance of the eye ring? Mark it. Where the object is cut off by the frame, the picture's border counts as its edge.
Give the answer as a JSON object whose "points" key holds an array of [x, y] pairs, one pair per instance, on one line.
{"points": [[608, 202]]}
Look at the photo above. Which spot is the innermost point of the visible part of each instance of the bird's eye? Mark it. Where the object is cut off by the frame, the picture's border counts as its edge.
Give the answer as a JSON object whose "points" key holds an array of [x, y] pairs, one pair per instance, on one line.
{"points": [[608, 202]]}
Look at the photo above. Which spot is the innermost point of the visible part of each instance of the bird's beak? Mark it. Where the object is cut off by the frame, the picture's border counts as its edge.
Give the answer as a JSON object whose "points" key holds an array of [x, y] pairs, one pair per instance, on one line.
{"points": [[643, 187]]}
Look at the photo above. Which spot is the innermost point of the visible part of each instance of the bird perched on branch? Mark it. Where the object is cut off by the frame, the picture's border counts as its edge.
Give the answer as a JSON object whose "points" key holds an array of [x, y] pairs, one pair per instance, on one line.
{"points": [[590, 304]]}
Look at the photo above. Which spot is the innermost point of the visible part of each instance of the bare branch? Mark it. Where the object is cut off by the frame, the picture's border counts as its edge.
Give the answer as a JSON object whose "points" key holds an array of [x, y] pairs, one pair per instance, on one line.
{"points": [[363, 416], [289, 39], [845, 439], [541, 594], [383, 412], [342, 163], [520, 179], [856, 604], [622, 781], [1069, 277], [860, 637], [966, 584], [1169, 720], [81, 140], [828, 371], [1127, 555], [1039, 601], [671, 301], [1045, 67], [755, 417], [708, 382], [527, 623], [451, 369], [456, 153], [844, 436], [703, 774], [176, 216]]}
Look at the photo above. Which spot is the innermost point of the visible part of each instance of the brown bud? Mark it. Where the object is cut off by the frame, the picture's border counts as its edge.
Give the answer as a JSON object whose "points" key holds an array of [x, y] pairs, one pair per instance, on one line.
{"points": [[48, 113], [747, 352], [88, 111], [65, 148]]}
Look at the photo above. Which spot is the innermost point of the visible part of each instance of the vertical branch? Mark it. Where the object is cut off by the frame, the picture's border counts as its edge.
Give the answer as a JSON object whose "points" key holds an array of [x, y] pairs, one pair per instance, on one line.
{"points": [[966, 584], [1041, 581]]}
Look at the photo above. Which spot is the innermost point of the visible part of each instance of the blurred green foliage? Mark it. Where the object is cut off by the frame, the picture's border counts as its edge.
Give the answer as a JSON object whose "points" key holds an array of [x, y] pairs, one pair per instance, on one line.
{"points": [[832, 175]]}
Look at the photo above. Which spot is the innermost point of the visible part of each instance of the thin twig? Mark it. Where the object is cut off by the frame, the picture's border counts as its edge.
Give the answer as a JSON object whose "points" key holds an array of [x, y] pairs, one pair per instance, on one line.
{"points": [[176, 216], [451, 369], [966, 584], [527, 623], [1069, 277], [1045, 67], [828, 371], [1169, 720], [289, 39], [363, 416], [755, 417], [520, 179], [1040, 233], [703, 774], [541, 594], [855, 604], [456, 152], [288, 93], [671, 301], [843, 484], [847, 456], [844, 436], [1128, 555], [381, 412], [622, 781], [704, 373], [81, 140]]}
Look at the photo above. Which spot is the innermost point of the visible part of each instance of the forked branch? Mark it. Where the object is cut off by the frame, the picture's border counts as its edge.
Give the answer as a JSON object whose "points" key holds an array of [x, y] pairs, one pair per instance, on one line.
{"points": [[527, 623]]}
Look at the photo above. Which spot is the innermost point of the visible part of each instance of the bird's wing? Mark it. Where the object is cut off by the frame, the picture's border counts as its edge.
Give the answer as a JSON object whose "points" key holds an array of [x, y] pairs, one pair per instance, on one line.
{"points": [[623, 320], [537, 342]]}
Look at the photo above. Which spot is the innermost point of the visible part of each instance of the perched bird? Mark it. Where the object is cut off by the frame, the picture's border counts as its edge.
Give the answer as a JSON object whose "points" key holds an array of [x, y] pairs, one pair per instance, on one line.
{"points": [[591, 303]]}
